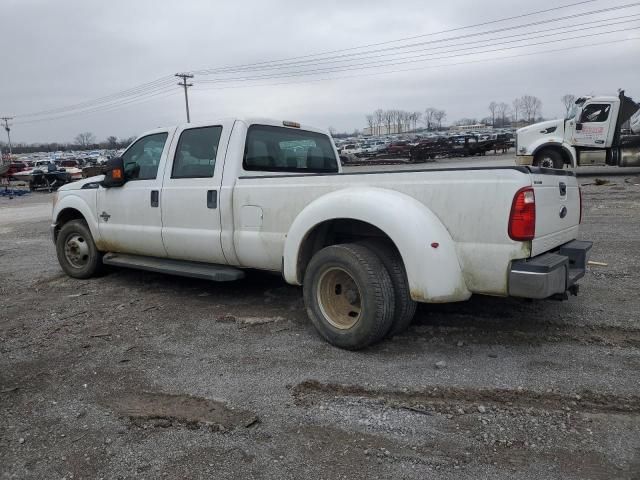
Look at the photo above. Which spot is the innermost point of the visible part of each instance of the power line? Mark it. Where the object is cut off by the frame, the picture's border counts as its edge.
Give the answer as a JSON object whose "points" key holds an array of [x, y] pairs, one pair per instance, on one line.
{"points": [[8, 129], [391, 62], [155, 84], [104, 109], [537, 12], [278, 64], [160, 86], [413, 69], [185, 85], [163, 93], [474, 51]]}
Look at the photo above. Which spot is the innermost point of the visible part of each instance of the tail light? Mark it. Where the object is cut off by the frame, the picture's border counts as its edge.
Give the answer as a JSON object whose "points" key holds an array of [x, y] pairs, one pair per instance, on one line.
{"points": [[580, 192], [522, 220]]}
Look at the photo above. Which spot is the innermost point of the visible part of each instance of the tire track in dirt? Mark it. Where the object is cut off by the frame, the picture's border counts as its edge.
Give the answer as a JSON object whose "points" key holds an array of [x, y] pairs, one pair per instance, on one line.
{"points": [[441, 398], [499, 331]]}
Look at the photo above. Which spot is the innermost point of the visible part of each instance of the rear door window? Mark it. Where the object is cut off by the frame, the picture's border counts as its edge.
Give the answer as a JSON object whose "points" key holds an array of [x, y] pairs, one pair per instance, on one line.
{"points": [[196, 153], [275, 149]]}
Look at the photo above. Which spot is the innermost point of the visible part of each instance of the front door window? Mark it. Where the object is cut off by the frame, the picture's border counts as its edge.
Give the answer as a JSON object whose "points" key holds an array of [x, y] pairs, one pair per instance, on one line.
{"points": [[141, 160]]}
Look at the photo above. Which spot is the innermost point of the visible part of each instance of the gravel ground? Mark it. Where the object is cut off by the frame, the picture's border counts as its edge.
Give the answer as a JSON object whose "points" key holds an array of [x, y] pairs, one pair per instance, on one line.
{"points": [[142, 375]]}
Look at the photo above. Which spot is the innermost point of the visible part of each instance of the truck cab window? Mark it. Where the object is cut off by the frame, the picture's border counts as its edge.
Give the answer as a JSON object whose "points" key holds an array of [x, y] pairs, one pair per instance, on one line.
{"points": [[596, 112], [141, 160], [274, 149], [196, 153]]}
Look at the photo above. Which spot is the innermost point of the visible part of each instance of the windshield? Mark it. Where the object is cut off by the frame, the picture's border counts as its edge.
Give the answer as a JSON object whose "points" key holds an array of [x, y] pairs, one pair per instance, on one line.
{"points": [[575, 108]]}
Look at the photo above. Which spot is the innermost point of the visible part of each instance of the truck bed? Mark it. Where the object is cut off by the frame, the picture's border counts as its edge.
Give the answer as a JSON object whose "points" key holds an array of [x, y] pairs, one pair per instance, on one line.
{"points": [[472, 203]]}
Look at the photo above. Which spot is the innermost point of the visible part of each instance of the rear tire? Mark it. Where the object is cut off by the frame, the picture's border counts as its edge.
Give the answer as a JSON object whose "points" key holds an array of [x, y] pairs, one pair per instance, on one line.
{"points": [[349, 296], [76, 250], [404, 306], [549, 159]]}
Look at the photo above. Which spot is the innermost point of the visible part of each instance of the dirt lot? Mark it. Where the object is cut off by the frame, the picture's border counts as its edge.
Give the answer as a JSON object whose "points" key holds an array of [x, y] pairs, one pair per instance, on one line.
{"points": [[142, 375]]}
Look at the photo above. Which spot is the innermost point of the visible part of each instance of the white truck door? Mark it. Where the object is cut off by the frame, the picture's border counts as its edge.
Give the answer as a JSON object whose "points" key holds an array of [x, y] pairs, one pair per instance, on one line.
{"points": [[191, 193], [129, 216], [593, 126]]}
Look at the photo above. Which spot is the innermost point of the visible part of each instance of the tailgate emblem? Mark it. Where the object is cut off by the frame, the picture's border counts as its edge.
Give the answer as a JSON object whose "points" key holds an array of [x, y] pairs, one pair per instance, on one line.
{"points": [[563, 212], [563, 189]]}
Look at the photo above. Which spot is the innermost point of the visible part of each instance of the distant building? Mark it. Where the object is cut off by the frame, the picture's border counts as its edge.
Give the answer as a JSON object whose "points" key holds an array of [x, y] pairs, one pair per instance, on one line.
{"points": [[475, 126]]}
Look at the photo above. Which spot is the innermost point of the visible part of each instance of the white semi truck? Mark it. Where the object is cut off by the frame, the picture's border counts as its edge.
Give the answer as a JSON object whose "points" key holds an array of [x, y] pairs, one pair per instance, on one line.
{"points": [[599, 130]]}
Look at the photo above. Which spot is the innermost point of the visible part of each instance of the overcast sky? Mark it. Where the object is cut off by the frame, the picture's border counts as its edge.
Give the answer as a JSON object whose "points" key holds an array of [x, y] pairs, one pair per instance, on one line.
{"points": [[60, 53]]}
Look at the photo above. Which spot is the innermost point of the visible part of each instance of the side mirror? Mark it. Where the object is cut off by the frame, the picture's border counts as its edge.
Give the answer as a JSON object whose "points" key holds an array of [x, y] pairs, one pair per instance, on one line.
{"points": [[578, 126], [114, 173]]}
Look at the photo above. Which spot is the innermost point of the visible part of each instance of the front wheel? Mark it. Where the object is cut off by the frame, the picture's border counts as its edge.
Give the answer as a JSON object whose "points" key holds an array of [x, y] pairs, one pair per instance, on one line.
{"points": [[549, 159], [76, 250], [349, 296]]}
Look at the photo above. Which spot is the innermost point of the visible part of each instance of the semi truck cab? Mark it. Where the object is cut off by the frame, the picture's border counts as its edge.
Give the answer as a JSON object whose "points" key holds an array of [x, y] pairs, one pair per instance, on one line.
{"points": [[599, 130]]}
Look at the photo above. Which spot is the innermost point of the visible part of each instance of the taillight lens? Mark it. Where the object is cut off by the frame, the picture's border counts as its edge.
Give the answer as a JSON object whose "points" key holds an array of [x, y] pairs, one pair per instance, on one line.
{"points": [[580, 192], [522, 221]]}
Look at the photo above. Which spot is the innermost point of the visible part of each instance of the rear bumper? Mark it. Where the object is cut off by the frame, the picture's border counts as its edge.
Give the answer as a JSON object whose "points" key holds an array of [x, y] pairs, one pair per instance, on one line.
{"points": [[549, 274]]}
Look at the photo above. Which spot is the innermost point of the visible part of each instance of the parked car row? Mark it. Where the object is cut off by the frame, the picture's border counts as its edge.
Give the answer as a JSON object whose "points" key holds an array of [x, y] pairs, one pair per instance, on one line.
{"points": [[460, 146], [50, 171], [425, 148]]}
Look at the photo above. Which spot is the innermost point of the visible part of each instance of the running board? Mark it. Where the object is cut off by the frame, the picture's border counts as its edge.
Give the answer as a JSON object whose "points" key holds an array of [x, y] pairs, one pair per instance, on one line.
{"points": [[183, 268]]}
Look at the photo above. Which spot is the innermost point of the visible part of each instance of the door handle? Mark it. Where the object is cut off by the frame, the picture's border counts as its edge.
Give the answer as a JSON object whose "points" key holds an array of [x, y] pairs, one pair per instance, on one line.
{"points": [[155, 198], [212, 199]]}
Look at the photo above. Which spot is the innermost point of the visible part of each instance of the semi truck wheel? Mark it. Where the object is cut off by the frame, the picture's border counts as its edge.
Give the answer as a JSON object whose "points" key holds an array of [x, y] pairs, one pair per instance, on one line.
{"points": [[349, 296], [549, 159], [404, 307], [77, 253]]}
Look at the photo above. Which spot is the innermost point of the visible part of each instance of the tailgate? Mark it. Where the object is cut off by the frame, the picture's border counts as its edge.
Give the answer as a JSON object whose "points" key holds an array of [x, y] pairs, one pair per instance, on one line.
{"points": [[557, 208]]}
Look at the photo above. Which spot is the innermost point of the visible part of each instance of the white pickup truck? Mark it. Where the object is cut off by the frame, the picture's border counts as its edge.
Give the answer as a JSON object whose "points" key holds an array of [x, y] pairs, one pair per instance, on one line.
{"points": [[210, 200]]}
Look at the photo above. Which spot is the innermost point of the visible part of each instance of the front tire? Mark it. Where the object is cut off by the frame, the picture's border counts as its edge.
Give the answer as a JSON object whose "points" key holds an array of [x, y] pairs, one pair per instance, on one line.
{"points": [[349, 296], [549, 159], [76, 250]]}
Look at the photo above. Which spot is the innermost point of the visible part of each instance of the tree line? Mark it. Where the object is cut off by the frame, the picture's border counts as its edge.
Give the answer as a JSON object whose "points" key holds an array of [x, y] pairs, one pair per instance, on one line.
{"points": [[526, 109], [82, 141], [401, 121]]}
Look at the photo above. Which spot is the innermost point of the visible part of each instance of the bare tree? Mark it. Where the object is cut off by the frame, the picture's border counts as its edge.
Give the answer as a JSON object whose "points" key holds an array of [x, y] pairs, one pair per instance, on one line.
{"points": [[428, 117], [531, 107], [112, 142], [568, 100], [406, 120], [388, 117], [379, 116], [398, 119], [501, 110], [371, 122], [439, 117], [493, 106], [85, 139], [516, 108], [416, 117], [332, 131]]}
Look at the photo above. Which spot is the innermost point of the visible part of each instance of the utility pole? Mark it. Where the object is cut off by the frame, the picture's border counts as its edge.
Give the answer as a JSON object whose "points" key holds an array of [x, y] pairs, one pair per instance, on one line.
{"points": [[186, 85], [8, 129]]}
